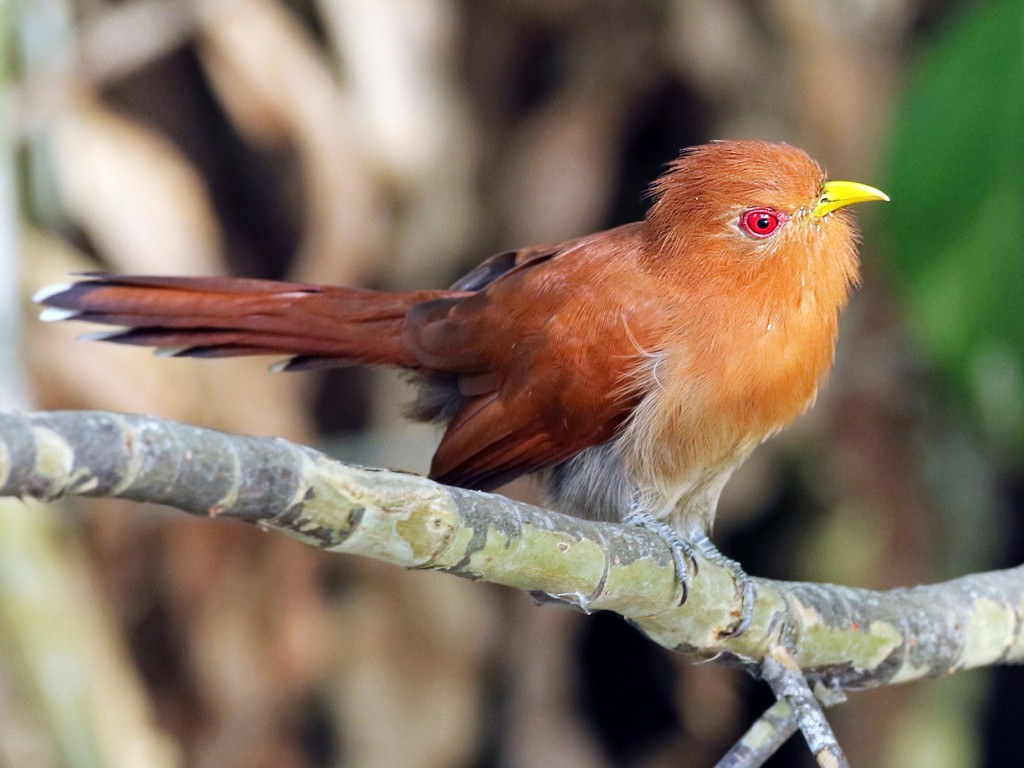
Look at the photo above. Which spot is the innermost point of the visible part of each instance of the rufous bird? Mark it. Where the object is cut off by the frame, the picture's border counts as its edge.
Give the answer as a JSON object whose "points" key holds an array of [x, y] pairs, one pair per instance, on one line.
{"points": [[633, 369]]}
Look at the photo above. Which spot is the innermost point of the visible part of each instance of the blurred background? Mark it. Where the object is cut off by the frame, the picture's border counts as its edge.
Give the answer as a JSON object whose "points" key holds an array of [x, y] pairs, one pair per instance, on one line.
{"points": [[394, 144]]}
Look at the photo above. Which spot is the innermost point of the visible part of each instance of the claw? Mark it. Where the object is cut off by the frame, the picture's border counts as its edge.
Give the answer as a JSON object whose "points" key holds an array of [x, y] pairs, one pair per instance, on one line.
{"points": [[744, 584], [681, 550]]}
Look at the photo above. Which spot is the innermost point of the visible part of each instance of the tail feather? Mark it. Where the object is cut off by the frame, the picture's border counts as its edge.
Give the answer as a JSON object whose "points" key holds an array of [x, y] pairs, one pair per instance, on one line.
{"points": [[222, 317]]}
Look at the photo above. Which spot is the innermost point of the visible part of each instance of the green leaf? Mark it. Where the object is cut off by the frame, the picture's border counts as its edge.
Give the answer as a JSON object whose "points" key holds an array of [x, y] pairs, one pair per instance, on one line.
{"points": [[956, 224]]}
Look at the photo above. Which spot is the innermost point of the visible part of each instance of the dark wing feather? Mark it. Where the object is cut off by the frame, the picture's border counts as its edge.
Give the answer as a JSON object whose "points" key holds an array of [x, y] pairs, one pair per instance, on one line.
{"points": [[496, 266]]}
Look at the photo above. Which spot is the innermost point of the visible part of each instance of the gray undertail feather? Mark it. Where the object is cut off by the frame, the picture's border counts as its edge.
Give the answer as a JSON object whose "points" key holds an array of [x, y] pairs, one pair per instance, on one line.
{"points": [[592, 484]]}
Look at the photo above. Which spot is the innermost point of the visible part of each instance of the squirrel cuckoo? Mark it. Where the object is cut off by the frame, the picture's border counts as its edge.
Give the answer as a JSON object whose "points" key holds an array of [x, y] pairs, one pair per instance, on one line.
{"points": [[633, 369]]}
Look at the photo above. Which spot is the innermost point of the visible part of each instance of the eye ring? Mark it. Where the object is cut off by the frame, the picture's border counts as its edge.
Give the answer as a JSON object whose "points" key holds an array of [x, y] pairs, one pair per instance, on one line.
{"points": [[761, 223]]}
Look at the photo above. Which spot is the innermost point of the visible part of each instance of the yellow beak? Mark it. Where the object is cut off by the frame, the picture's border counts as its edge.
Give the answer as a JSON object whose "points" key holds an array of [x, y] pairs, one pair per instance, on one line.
{"points": [[839, 193]]}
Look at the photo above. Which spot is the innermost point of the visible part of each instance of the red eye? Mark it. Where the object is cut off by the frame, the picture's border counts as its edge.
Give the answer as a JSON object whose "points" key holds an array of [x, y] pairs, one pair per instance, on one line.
{"points": [[761, 222]]}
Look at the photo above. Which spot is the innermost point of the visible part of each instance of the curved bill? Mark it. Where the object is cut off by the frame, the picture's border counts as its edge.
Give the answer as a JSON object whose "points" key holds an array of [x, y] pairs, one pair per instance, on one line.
{"points": [[839, 193]]}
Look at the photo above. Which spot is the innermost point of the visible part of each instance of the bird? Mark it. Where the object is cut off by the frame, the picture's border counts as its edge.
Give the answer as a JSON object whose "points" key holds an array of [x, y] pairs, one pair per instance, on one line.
{"points": [[631, 370]]}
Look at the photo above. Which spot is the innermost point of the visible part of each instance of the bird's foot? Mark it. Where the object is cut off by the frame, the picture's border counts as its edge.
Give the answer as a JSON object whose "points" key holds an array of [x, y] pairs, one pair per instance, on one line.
{"points": [[744, 584], [681, 549]]}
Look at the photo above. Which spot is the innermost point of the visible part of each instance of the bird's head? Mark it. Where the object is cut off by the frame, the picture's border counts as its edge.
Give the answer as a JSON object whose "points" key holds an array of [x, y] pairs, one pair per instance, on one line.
{"points": [[747, 208]]}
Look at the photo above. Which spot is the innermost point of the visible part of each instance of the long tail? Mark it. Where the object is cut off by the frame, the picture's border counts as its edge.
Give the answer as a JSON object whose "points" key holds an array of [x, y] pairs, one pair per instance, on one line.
{"points": [[317, 326]]}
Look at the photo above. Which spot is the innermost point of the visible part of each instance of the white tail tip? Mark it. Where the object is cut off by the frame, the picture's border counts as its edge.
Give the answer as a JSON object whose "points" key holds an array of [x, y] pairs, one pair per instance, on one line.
{"points": [[56, 314], [169, 351], [49, 290], [101, 335]]}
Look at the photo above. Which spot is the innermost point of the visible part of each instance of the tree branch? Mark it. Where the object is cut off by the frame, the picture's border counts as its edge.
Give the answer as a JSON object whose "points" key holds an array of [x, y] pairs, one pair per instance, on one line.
{"points": [[840, 638], [780, 671], [763, 738]]}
